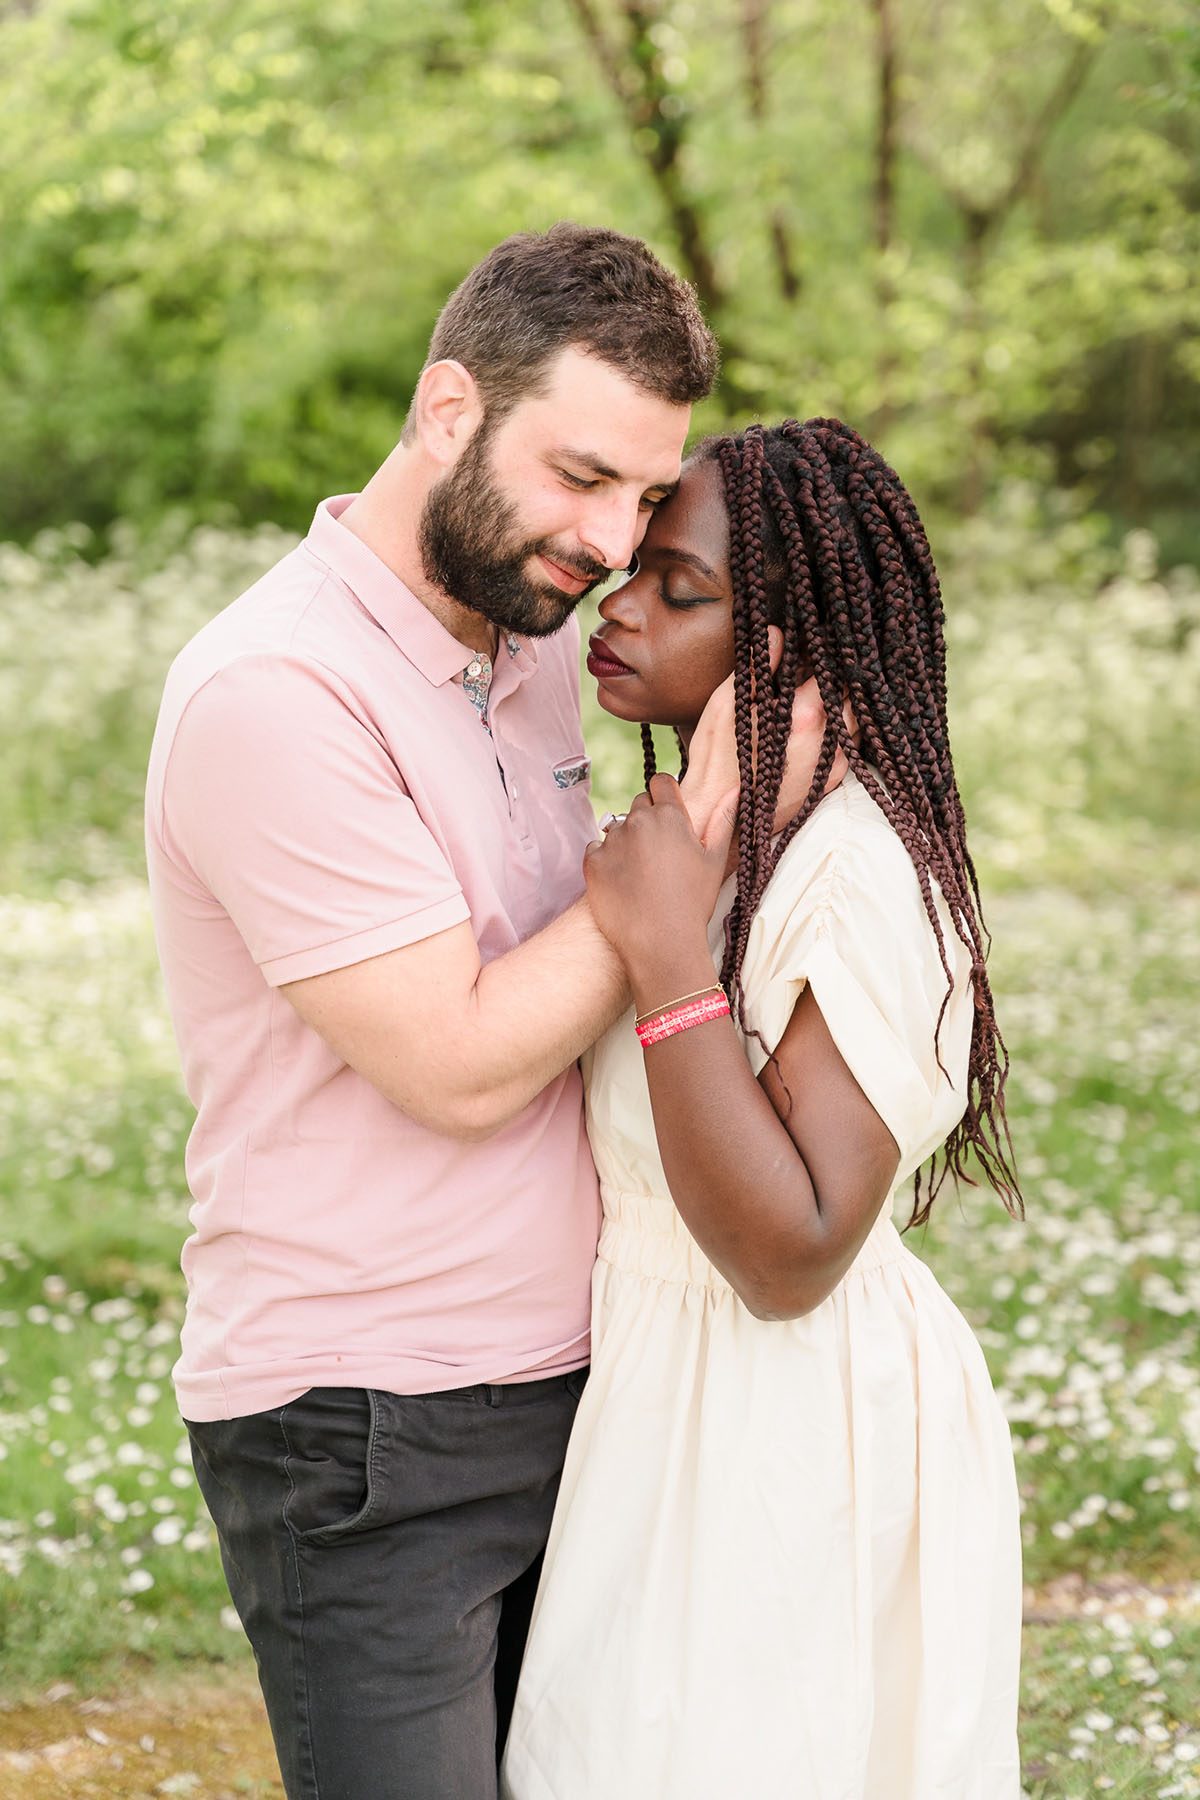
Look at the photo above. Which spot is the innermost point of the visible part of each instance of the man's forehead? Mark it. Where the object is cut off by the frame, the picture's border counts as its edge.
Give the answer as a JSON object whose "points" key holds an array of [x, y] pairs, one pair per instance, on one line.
{"points": [[612, 426]]}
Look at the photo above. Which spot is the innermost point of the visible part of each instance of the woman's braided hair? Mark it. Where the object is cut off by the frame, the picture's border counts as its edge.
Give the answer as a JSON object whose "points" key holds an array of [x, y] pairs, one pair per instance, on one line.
{"points": [[826, 543]]}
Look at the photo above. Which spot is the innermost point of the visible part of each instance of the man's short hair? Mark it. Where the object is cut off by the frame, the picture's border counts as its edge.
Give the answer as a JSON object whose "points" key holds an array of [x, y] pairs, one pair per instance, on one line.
{"points": [[582, 287]]}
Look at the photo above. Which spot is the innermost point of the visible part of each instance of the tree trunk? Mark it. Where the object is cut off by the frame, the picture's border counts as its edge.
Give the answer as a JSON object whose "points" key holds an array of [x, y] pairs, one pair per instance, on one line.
{"points": [[754, 35], [978, 227], [885, 204], [639, 84], [982, 220]]}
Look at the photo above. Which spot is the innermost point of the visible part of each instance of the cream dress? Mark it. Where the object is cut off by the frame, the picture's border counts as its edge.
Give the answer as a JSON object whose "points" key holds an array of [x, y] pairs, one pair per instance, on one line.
{"points": [[785, 1561]]}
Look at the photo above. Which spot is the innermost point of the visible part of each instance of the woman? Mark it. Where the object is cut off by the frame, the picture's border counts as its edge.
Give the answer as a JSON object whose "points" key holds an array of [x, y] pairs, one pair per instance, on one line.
{"points": [[785, 1559]]}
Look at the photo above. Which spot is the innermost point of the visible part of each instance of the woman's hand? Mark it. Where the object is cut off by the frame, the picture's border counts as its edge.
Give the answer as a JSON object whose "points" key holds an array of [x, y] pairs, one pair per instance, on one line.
{"points": [[651, 883]]}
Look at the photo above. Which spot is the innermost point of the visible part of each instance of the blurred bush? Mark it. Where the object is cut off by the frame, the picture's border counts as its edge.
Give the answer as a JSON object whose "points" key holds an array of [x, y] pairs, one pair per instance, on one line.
{"points": [[1074, 693], [228, 227], [1075, 686], [84, 649]]}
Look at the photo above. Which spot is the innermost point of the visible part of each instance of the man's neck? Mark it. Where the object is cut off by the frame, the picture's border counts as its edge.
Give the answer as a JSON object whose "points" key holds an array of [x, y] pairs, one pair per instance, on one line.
{"points": [[384, 517]]}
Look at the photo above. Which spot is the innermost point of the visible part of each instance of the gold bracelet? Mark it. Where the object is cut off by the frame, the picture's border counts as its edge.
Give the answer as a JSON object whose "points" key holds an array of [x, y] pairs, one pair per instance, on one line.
{"points": [[714, 988]]}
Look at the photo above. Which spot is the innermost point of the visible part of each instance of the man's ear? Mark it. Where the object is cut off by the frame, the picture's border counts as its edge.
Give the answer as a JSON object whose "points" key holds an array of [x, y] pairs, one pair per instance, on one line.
{"points": [[449, 411], [775, 647]]}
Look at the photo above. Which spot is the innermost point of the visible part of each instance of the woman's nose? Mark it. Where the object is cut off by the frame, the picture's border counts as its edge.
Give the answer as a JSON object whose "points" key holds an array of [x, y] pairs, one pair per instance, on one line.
{"points": [[623, 605]]}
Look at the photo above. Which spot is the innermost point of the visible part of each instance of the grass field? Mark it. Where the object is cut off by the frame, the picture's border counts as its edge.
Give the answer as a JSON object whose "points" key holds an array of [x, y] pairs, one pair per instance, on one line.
{"points": [[1089, 1312]]}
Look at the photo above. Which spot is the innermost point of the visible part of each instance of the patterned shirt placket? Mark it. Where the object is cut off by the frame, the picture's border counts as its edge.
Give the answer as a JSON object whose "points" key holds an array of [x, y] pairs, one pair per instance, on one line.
{"points": [[477, 679], [477, 684]]}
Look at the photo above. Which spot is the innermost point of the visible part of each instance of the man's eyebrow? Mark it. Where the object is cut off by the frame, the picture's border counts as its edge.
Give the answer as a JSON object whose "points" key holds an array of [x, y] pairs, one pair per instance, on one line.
{"points": [[586, 460]]}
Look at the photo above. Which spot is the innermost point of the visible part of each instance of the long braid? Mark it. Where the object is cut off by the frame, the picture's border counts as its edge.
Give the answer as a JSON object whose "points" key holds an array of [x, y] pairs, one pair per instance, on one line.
{"points": [[649, 761], [650, 758], [748, 858], [902, 767], [820, 525]]}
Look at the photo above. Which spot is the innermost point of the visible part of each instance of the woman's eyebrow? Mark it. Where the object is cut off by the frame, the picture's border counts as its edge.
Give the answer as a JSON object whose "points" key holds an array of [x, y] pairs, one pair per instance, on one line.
{"points": [[686, 557]]}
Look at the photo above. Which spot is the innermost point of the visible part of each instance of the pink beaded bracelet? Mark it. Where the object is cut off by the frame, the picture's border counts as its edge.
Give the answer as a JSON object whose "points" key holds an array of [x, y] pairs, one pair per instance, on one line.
{"points": [[682, 1018]]}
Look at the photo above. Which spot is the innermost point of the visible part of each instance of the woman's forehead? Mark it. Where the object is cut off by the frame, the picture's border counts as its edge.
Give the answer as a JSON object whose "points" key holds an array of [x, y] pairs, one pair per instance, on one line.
{"points": [[694, 518]]}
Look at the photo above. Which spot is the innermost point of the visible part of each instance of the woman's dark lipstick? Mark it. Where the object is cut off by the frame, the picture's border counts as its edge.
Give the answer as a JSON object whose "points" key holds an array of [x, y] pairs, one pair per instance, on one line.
{"points": [[601, 663]]}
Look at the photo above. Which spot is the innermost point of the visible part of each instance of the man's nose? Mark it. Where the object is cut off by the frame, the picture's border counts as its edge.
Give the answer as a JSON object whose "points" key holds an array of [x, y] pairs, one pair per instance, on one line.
{"points": [[613, 530]]}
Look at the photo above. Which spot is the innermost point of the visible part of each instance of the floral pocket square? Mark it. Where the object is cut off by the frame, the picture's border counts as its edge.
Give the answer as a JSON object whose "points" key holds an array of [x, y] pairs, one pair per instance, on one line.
{"points": [[569, 774]]}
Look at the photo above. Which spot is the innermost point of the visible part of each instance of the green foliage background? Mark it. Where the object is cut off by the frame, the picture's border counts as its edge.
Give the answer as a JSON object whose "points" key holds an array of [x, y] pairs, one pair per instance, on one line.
{"points": [[228, 226]]}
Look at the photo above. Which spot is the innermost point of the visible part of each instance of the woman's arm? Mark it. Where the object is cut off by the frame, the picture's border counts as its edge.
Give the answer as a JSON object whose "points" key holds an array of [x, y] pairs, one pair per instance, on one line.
{"points": [[780, 1200], [779, 1196]]}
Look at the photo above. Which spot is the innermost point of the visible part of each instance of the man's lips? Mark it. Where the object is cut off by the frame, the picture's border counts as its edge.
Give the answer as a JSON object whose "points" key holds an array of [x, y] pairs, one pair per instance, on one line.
{"points": [[569, 580], [601, 661]]}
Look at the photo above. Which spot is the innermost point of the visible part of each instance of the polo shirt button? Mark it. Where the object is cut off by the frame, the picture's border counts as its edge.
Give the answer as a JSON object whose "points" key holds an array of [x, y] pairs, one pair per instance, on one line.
{"points": [[515, 791]]}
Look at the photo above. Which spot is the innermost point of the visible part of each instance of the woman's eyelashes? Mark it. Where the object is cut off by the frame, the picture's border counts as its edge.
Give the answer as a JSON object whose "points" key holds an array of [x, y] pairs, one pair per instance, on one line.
{"points": [[681, 602]]}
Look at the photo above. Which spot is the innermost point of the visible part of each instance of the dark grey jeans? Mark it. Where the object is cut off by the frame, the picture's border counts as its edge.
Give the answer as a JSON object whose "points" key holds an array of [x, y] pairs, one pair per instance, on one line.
{"points": [[383, 1551]]}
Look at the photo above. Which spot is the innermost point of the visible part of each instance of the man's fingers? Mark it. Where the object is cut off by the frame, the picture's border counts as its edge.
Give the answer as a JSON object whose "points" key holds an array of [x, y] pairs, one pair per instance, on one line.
{"points": [[719, 705], [808, 712], [722, 822], [724, 814], [808, 709]]}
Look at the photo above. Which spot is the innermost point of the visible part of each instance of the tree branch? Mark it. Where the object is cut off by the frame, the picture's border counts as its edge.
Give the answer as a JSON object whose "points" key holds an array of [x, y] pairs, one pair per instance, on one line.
{"points": [[598, 38], [1058, 102], [983, 216], [885, 128], [754, 24], [645, 95]]}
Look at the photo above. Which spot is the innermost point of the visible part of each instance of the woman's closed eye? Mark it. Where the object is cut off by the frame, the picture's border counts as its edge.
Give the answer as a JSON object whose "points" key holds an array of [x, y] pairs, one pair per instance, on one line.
{"points": [[681, 602]]}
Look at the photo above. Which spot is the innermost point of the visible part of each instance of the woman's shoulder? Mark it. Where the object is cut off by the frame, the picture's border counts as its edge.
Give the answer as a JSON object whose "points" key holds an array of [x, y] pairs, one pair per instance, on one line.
{"points": [[848, 878], [847, 871], [849, 836]]}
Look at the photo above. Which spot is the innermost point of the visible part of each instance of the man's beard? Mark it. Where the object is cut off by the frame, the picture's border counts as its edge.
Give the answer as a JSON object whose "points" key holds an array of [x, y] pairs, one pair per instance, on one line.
{"points": [[470, 549]]}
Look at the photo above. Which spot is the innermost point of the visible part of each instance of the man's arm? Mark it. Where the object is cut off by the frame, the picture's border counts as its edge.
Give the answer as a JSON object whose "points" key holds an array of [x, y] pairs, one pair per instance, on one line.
{"points": [[287, 807], [463, 1048], [283, 803]]}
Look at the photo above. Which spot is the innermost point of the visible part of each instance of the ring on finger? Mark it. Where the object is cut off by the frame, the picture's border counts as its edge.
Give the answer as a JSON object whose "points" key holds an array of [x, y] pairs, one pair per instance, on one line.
{"points": [[611, 818]]}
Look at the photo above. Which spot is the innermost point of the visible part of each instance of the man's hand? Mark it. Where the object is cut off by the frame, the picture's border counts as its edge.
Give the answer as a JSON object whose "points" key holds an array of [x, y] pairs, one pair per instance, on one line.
{"points": [[711, 786]]}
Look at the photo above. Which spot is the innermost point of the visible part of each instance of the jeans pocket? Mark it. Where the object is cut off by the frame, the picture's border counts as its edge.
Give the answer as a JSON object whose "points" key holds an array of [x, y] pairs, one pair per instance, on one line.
{"points": [[576, 1381], [331, 1436]]}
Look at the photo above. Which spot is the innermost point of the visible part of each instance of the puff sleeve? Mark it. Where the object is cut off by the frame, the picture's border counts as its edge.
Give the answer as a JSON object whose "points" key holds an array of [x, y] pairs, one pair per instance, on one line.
{"points": [[843, 915]]}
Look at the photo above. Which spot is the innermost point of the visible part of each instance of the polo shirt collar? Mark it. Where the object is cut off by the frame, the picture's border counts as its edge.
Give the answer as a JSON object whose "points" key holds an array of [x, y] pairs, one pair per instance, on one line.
{"points": [[414, 630]]}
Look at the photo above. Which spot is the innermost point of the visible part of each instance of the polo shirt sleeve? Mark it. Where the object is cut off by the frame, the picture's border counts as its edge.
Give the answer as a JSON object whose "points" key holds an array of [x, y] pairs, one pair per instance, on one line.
{"points": [[285, 803]]}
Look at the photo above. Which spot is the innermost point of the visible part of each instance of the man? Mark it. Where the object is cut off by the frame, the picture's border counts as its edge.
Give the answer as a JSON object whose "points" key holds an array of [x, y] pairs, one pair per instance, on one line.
{"points": [[366, 817]]}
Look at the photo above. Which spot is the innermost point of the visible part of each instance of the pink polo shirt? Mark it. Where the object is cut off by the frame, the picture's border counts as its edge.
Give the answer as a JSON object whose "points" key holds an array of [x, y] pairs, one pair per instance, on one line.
{"points": [[322, 789]]}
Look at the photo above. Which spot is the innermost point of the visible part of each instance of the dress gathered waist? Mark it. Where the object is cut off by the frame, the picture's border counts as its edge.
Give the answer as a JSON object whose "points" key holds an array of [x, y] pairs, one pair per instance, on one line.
{"points": [[643, 1235]]}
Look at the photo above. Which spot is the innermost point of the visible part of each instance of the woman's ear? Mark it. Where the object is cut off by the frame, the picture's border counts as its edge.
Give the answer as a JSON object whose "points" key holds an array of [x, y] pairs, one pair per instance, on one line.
{"points": [[775, 647]]}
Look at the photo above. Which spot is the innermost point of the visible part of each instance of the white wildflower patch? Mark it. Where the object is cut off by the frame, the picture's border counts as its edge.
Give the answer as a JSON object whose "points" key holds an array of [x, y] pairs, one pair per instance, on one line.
{"points": [[1088, 1312]]}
